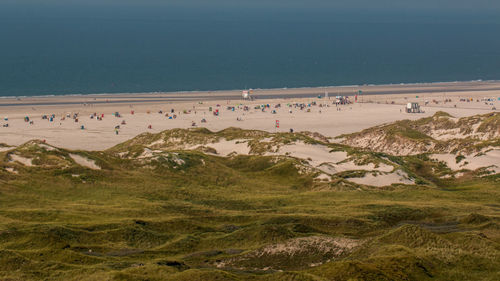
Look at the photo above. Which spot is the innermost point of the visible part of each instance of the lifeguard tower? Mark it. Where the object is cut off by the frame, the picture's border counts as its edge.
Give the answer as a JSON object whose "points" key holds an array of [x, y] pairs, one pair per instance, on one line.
{"points": [[413, 107], [247, 95]]}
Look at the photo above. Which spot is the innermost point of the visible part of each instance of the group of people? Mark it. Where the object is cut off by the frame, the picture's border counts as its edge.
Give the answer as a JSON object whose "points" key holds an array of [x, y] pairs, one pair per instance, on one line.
{"points": [[213, 110], [216, 110]]}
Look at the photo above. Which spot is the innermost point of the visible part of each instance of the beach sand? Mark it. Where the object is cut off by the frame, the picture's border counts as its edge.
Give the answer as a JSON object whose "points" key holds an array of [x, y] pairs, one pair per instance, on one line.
{"points": [[377, 105]]}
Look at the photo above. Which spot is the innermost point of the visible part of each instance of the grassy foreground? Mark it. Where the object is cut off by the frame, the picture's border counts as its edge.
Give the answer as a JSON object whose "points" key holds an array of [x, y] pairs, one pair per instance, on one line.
{"points": [[240, 218]]}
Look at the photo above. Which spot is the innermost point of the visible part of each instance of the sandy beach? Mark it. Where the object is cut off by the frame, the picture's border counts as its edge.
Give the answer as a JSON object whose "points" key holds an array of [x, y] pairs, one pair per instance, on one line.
{"points": [[139, 113]]}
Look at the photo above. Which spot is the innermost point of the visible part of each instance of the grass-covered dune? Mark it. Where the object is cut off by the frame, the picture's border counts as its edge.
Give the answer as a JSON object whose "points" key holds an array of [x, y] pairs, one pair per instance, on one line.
{"points": [[151, 209], [439, 133]]}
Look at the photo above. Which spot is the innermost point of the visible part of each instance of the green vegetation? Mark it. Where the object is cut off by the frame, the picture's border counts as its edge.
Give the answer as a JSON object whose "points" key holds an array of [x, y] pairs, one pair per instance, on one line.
{"points": [[490, 124], [187, 215], [459, 158]]}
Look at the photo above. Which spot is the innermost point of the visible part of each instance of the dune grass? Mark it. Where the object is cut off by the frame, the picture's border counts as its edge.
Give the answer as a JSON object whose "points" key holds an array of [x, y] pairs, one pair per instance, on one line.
{"points": [[200, 220]]}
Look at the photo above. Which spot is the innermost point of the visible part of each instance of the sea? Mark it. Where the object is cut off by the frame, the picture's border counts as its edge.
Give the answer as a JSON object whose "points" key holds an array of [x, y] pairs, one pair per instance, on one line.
{"points": [[71, 50]]}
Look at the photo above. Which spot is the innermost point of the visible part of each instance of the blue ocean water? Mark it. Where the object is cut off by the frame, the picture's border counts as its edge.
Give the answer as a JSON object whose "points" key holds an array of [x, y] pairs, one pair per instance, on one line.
{"points": [[53, 52]]}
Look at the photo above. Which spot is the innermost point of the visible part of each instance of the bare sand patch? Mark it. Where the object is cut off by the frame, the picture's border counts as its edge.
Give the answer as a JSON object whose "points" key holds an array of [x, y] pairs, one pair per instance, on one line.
{"points": [[11, 170], [5, 148], [490, 159], [332, 168], [225, 147], [324, 177], [316, 154], [322, 158], [383, 179], [177, 159], [47, 147], [157, 143], [320, 243], [23, 160], [148, 153], [304, 251], [83, 161]]}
